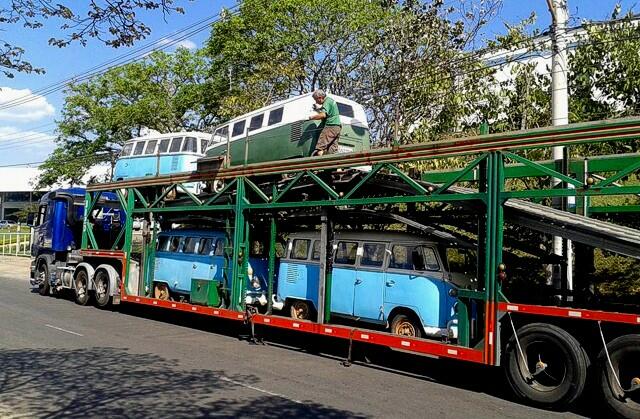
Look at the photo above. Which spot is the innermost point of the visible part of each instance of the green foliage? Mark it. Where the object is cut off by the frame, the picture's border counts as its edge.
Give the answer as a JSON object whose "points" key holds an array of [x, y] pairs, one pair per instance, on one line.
{"points": [[616, 276], [164, 92], [604, 77], [402, 60], [115, 24]]}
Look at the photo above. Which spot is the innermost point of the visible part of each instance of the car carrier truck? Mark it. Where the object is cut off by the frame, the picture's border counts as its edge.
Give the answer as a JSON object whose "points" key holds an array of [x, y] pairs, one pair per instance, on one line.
{"points": [[549, 340]]}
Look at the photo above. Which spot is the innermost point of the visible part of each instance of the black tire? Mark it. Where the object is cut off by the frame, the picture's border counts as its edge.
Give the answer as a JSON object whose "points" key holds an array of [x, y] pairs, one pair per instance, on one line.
{"points": [[102, 283], [81, 280], [42, 271], [301, 310], [624, 353], [161, 291], [565, 374], [405, 325]]}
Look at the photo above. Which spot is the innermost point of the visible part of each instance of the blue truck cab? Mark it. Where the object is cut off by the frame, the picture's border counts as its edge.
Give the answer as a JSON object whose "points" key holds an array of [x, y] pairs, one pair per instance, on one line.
{"points": [[191, 265], [393, 279], [57, 234]]}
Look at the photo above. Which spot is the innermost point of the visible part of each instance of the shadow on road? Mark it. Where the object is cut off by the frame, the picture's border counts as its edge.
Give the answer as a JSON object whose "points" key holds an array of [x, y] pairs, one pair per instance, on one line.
{"points": [[112, 382], [461, 375]]}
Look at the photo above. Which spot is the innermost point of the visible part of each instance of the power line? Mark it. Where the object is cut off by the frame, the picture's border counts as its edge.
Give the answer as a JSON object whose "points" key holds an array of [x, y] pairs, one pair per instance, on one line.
{"points": [[131, 56]]}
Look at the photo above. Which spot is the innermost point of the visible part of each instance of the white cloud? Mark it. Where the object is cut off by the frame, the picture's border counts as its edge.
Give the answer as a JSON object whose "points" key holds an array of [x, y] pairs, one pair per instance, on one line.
{"points": [[23, 146], [185, 43], [23, 106]]}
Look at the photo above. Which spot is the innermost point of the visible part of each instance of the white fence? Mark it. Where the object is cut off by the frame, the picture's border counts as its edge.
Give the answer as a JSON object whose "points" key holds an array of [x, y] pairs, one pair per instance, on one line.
{"points": [[15, 241]]}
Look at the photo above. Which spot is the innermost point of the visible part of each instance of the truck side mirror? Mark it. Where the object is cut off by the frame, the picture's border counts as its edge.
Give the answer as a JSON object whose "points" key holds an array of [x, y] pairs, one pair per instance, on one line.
{"points": [[31, 218]]}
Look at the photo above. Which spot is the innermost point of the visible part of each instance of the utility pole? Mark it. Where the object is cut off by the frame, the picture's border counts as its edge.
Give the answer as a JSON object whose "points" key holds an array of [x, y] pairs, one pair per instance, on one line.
{"points": [[560, 108]]}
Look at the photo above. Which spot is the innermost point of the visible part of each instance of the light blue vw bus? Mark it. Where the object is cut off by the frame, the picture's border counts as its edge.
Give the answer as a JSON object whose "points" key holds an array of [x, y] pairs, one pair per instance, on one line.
{"points": [[190, 266], [161, 154], [394, 279]]}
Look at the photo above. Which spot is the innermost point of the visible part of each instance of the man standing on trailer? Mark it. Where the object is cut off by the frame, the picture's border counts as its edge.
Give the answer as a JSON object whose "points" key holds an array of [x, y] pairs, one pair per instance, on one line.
{"points": [[327, 111]]}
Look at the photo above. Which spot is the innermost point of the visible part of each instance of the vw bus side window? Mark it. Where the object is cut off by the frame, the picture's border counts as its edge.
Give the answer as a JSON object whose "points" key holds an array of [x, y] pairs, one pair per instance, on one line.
{"points": [[372, 255], [203, 145], [238, 128], [300, 249], [139, 147], [151, 147], [175, 145], [408, 257], [221, 134], [256, 122], [346, 253], [164, 146], [430, 259], [190, 245], [163, 243], [315, 254], [126, 150], [205, 247], [190, 145], [275, 116], [175, 244], [219, 250], [345, 110]]}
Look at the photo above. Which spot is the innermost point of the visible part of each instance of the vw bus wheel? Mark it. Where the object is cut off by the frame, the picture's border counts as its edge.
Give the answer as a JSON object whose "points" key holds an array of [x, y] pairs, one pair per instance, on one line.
{"points": [[300, 310], [161, 291], [102, 288], [43, 277], [82, 291], [218, 185], [403, 325], [551, 371], [623, 399]]}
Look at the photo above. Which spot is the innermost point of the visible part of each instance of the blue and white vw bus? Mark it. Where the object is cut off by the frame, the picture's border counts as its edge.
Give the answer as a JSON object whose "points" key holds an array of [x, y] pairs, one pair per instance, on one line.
{"points": [[190, 266], [384, 278], [161, 154]]}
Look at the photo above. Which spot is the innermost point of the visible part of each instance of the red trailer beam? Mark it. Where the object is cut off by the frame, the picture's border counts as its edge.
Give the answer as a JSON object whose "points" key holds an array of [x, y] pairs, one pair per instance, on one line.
{"points": [[419, 346], [572, 313]]}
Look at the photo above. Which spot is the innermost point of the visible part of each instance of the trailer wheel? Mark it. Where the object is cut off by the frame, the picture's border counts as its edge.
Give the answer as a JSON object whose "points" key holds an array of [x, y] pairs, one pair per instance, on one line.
{"points": [[301, 310], [161, 291], [82, 287], [553, 372], [102, 288], [624, 352], [404, 325], [43, 276]]}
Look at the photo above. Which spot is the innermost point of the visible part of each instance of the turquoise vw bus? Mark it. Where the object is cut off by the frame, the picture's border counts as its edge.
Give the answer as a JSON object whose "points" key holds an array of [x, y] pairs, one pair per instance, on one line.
{"points": [[190, 265], [404, 281], [161, 154]]}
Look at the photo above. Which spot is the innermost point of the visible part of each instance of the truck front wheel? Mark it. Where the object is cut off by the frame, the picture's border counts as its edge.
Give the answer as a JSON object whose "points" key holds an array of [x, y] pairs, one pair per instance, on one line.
{"points": [[43, 276], [545, 365], [103, 297]]}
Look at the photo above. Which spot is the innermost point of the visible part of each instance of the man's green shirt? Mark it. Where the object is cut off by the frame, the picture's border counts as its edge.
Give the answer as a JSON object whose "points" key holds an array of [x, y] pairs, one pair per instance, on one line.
{"points": [[331, 109]]}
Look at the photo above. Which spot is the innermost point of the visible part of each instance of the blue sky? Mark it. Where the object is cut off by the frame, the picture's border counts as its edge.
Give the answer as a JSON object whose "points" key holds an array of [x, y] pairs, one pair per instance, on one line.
{"points": [[26, 131]]}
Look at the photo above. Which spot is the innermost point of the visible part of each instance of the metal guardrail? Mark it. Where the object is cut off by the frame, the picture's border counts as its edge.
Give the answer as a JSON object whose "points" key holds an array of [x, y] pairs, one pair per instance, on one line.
{"points": [[16, 243]]}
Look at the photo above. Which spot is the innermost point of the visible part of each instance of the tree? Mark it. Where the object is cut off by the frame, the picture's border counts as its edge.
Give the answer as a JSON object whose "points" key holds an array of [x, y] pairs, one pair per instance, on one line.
{"points": [[605, 75], [164, 92], [113, 22], [405, 61]]}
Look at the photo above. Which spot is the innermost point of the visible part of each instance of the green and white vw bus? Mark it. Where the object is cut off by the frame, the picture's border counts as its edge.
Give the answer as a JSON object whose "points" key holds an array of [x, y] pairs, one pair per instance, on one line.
{"points": [[283, 131]]}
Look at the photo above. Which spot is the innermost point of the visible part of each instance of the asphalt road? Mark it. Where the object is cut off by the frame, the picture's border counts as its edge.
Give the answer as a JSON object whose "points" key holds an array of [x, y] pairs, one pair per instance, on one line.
{"points": [[58, 359]]}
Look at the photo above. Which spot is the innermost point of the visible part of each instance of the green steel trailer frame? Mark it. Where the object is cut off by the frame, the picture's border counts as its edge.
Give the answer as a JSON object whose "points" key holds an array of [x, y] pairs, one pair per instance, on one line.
{"points": [[262, 191]]}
